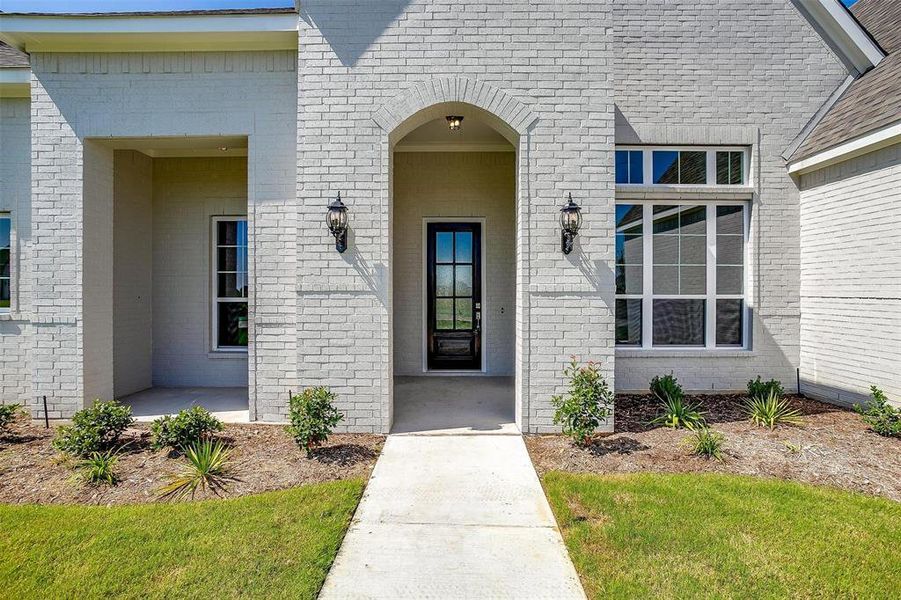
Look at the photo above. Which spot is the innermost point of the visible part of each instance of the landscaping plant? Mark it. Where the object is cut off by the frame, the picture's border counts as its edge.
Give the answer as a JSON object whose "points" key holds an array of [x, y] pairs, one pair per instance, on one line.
{"points": [[207, 470], [772, 410], [586, 405], [94, 429], [675, 410], [8, 413], [881, 416], [99, 467], [763, 389], [187, 427], [706, 442], [313, 417]]}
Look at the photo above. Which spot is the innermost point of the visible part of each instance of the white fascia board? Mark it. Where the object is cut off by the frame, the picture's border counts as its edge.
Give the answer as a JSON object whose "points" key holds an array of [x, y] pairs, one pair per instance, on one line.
{"points": [[15, 82], [874, 140], [72, 33], [857, 48]]}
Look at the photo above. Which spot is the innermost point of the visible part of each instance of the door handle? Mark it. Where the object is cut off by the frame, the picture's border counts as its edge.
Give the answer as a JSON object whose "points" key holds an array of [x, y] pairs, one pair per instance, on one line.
{"points": [[478, 326]]}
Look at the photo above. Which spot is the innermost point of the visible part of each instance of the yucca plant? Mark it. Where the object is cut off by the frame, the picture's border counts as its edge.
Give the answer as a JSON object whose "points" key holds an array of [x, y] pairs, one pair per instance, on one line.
{"points": [[706, 442], [772, 410], [99, 467], [676, 412], [207, 470]]}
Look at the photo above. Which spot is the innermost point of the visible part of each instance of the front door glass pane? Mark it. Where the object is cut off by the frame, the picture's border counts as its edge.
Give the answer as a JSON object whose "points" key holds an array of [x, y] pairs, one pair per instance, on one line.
{"points": [[444, 280], [464, 247], [444, 313], [444, 247]]}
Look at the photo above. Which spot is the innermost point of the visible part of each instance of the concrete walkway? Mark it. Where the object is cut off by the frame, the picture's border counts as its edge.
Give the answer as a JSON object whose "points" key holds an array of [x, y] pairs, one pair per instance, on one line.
{"points": [[453, 516]]}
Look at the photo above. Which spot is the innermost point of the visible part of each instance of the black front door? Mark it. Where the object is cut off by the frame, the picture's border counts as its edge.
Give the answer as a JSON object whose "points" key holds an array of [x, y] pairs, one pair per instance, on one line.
{"points": [[454, 296]]}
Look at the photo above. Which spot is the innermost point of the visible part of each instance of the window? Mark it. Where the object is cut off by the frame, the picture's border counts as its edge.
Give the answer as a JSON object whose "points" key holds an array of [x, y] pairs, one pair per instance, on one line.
{"points": [[679, 272], [629, 168], [681, 166], [230, 283], [5, 262]]}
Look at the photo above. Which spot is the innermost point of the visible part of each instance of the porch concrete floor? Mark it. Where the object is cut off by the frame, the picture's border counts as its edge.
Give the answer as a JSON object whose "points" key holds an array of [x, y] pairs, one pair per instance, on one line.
{"points": [[227, 404], [453, 405]]}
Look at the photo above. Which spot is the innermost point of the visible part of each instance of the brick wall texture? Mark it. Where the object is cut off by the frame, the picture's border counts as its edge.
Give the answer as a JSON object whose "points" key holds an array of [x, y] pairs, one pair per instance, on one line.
{"points": [[562, 81]]}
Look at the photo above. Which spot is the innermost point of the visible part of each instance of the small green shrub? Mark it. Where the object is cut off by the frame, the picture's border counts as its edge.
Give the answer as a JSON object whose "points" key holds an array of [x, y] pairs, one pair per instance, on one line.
{"points": [[666, 387], [8, 414], [187, 427], [763, 389], [772, 410], [99, 467], [587, 403], [678, 412], [706, 442], [94, 429], [313, 417], [207, 470], [881, 416]]}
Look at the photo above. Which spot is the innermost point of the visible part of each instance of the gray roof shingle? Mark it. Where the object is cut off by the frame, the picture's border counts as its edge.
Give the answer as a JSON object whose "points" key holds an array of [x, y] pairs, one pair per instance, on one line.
{"points": [[10, 57], [872, 101]]}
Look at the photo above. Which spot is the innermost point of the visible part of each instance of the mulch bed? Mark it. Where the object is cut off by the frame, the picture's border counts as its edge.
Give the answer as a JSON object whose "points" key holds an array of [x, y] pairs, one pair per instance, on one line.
{"points": [[832, 447], [263, 458]]}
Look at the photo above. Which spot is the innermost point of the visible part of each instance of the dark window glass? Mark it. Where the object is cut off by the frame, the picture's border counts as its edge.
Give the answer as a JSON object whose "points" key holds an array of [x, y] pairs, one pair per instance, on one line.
{"points": [[678, 322], [729, 168], [629, 249], [666, 166], [729, 322], [628, 322], [636, 167], [693, 168], [622, 166], [5, 262], [730, 219], [628, 218], [232, 324]]}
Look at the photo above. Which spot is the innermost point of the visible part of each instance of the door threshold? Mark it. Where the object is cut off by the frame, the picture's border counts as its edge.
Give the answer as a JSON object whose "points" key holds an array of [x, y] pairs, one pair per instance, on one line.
{"points": [[460, 372]]}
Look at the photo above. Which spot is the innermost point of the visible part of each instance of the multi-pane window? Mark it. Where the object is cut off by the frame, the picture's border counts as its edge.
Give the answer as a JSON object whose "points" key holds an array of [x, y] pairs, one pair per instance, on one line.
{"points": [[668, 165], [230, 283], [680, 274], [5, 262], [629, 167], [454, 270]]}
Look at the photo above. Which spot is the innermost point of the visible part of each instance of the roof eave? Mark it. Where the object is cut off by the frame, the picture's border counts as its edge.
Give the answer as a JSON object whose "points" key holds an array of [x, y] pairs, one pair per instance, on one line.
{"points": [[850, 41], [135, 33], [15, 82], [869, 142]]}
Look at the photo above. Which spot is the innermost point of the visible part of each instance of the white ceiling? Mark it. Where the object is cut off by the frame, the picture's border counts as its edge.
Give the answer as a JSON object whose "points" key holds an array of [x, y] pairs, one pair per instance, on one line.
{"points": [[169, 147]]}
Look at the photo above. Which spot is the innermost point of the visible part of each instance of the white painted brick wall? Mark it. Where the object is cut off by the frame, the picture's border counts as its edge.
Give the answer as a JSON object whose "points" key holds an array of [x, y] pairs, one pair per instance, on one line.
{"points": [[749, 73], [15, 199], [457, 184], [851, 278]]}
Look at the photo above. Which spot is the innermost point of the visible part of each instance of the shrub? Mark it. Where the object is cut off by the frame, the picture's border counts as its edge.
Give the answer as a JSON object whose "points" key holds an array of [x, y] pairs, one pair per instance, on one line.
{"points": [[94, 429], [666, 387], [187, 427], [207, 470], [706, 442], [763, 389], [8, 414], [880, 415], [313, 417], [99, 467], [675, 410], [772, 410], [586, 405]]}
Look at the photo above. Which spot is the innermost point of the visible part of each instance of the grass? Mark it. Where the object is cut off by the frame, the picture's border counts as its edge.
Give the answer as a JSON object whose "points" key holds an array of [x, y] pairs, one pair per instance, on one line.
{"points": [[277, 544], [723, 536]]}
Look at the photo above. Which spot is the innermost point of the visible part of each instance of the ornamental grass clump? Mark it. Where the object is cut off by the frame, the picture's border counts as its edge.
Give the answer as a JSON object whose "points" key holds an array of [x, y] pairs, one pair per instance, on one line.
{"points": [[94, 429], [881, 416], [587, 404], [99, 467], [207, 469], [674, 410], [313, 417], [772, 410], [706, 442], [188, 427]]}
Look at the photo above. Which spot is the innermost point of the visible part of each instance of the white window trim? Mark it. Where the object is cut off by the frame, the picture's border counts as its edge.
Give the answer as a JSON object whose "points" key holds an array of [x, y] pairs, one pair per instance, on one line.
{"points": [[12, 264], [648, 166], [215, 300], [647, 296]]}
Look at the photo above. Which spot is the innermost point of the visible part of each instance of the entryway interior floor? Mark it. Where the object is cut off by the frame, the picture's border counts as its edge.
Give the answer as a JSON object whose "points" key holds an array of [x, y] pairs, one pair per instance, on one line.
{"points": [[453, 405], [453, 516]]}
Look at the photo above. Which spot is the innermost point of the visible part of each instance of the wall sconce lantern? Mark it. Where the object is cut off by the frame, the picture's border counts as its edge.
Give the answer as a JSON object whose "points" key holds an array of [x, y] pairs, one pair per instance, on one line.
{"points": [[454, 122], [336, 220], [570, 221]]}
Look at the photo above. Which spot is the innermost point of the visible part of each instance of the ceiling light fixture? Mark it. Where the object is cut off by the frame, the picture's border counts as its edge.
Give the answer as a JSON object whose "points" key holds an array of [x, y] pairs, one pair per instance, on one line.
{"points": [[454, 122]]}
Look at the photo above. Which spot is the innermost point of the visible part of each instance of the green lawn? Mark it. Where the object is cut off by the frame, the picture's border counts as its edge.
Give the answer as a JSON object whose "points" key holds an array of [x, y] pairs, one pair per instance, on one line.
{"points": [[718, 536], [278, 544]]}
